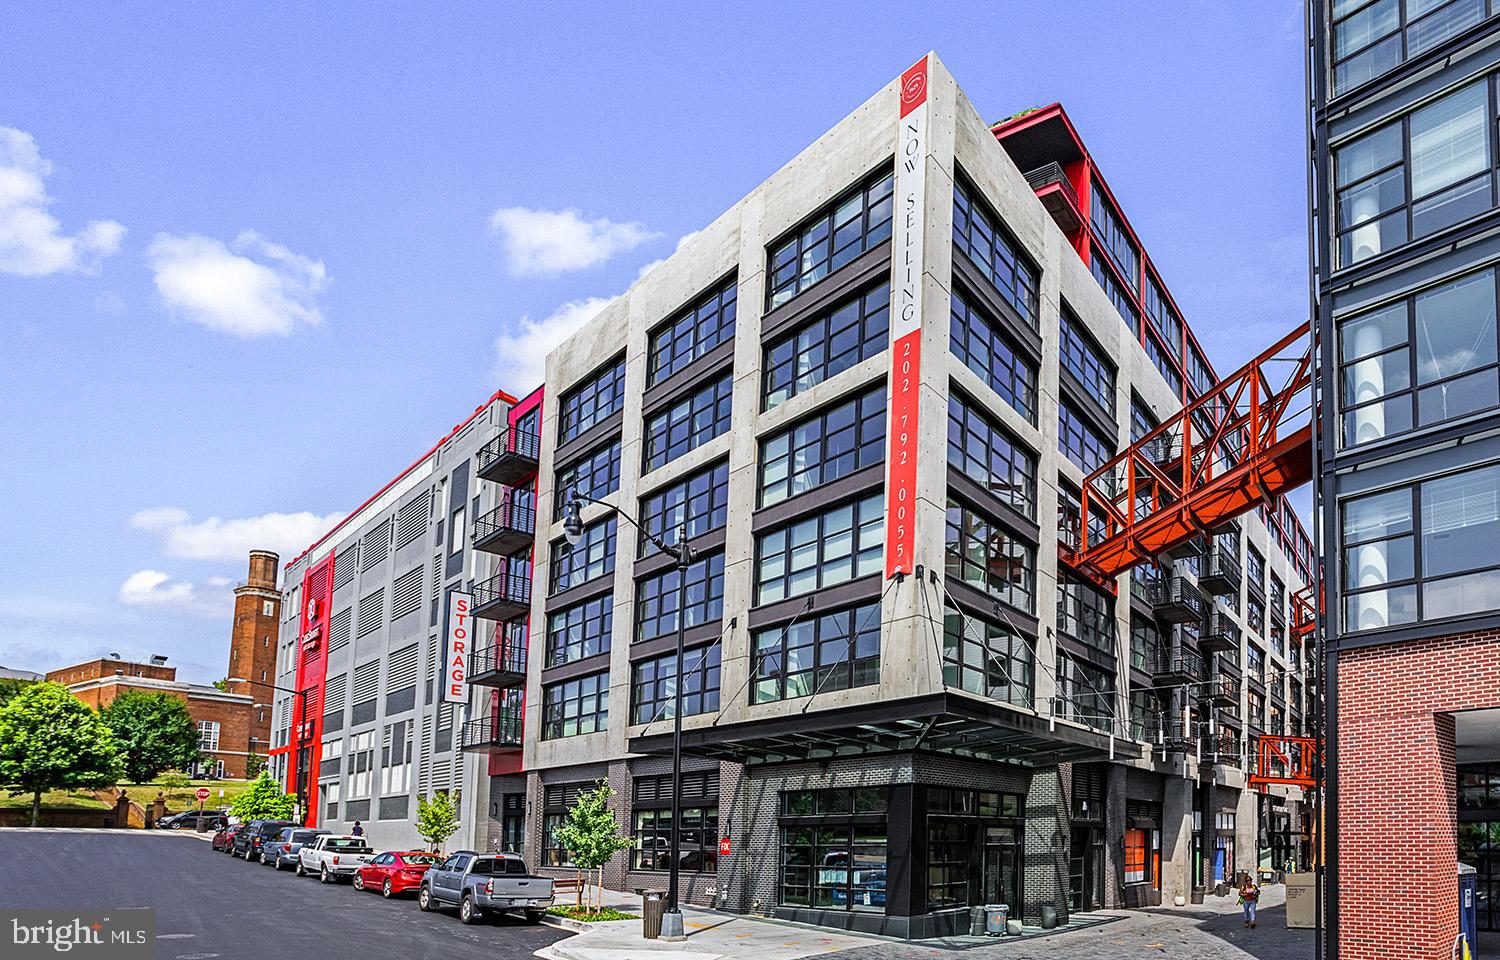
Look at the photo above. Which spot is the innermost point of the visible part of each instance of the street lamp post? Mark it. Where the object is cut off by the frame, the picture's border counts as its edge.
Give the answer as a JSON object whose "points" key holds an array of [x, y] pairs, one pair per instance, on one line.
{"points": [[301, 736], [671, 923]]}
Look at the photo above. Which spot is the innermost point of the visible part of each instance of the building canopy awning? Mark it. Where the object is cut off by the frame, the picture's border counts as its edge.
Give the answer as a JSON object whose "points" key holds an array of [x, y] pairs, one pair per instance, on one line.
{"points": [[938, 723]]}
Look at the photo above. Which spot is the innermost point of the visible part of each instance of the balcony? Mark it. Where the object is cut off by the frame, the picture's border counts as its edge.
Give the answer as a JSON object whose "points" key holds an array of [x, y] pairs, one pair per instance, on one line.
{"points": [[1176, 600], [1220, 633], [1194, 546], [1221, 691], [507, 528], [1221, 573], [1177, 666], [501, 665], [498, 733], [511, 457], [1221, 748], [1164, 733], [1057, 195], [505, 595]]}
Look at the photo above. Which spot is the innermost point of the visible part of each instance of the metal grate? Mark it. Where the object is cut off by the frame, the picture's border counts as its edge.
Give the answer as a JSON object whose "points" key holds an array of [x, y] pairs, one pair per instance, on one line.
{"points": [[406, 593], [371, 609], [376, 545]]}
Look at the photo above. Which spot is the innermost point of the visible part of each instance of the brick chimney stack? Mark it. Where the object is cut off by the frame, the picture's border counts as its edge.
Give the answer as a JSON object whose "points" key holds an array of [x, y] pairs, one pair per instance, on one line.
{"points": [[252, 641]]}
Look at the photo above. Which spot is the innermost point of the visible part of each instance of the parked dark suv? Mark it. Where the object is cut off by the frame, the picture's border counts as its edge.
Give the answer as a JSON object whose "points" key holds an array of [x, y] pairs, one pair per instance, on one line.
{"points": [[247, 842], [281, 850]]}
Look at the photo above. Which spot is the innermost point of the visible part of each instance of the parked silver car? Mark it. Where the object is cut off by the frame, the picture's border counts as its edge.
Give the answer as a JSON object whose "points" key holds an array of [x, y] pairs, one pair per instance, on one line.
{"points": [[281, 850]]}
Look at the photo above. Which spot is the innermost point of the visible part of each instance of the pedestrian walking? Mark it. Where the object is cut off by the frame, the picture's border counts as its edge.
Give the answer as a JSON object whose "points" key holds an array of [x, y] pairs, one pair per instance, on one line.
{"points": [[358, 830], [1249, 897]]}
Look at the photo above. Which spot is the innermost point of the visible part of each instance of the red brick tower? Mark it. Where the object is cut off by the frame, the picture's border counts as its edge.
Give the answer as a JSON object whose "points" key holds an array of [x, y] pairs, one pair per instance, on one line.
{"points": [[252, 643]]}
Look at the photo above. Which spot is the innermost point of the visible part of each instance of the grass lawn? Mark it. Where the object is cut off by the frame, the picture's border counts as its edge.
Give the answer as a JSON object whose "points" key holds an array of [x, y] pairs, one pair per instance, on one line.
{"points": [[182, 798], [53, 800]]}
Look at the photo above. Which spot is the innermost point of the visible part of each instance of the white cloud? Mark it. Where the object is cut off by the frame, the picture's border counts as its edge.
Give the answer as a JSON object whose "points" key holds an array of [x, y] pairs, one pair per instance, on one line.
{"points": [[156, 589], [32, 243], [546, 242], [681, 242], [232, 540], [251, 288], [521, 354]]}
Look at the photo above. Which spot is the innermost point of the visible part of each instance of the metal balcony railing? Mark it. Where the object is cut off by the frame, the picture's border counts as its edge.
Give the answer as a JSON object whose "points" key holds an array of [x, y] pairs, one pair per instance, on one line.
{"points": [[1176, 600], [1052, 187], [1221, 572], [501, 664], [1177, 666], [1221, 690], [496, 733], [508, 527], [505, 595], [1220, 633], [510, 457]]}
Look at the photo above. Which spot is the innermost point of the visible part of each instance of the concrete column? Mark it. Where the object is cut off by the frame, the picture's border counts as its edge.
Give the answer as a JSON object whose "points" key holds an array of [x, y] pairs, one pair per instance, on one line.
{"points": [[1247, 831], [1177, 840], [1045, 869]]}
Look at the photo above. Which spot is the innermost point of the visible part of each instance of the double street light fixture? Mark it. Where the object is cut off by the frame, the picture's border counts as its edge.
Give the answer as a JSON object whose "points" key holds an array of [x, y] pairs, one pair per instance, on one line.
{"points": [[682, 553]]}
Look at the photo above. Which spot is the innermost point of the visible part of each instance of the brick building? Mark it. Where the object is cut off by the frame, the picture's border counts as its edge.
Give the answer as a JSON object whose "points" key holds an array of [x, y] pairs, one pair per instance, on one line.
{"points": [[224, 719], [1406, 287], [252, 642]]}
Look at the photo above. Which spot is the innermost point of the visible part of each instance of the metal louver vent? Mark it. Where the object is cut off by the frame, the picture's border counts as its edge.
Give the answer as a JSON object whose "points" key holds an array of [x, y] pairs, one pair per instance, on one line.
{"points": [[411, 519], [338, 629], [402, 671], [366, 680], [345, 562], [334, 692], [406, 593], [376, 545], [371, 609]]}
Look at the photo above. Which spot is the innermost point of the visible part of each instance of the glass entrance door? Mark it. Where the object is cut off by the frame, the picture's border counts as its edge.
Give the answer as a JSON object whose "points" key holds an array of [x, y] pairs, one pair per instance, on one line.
{"points": [[1001, 882], [1086, 869]]}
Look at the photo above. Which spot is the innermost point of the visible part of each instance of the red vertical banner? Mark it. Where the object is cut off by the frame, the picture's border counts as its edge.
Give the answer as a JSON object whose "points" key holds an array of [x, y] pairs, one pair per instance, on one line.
{"points": [[907, 266]]}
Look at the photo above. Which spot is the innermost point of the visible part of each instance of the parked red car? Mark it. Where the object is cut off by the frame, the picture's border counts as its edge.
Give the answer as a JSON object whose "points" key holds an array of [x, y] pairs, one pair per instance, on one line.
{"points": [[224, 839], [395, 872]]}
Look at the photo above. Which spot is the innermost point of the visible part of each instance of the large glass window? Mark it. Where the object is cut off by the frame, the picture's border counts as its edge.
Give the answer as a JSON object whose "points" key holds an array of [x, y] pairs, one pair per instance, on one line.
{"points": [[833, 849], [1165, 364], [830, 651], [820, 551], [1166, 320], [827, 345], [697, 847], [987, 555], [984, 452], [1084, 358], [1430, 358], [1393, 576], [859, 220], [1372, 37], [989, 246], [978, 344], [987, 658], [591, 401], [703, 496], [1084, 613], [581, 630], [656, 598], [595, 474], [1115, 290], [688, 423], [592, 556], [1085, 692], [1442, 150], [653, 685], [1079, 441], [575, 707], [1110, 229], [692, 333], [831, 444]]}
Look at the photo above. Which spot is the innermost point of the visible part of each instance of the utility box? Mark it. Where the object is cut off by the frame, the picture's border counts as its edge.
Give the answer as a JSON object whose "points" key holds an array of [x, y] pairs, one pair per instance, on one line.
{"points": [[995, 917], [1301, 901], [1468, 886]]}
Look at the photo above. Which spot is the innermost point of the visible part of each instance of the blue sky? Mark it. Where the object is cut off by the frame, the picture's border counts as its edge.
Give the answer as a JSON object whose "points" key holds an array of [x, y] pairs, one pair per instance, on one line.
{"points": [[256, 258]]}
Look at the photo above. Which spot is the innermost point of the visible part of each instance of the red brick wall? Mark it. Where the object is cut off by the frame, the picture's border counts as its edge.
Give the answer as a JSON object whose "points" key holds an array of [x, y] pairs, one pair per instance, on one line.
{"points": [[234, 718], [1397, 797], [94, 669]]}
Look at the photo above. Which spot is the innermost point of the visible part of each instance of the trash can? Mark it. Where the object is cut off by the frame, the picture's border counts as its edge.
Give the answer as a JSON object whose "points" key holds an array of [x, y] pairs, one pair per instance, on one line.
{"points": [[653, 906], [1049, 917], [976, 921], [995, 917]]}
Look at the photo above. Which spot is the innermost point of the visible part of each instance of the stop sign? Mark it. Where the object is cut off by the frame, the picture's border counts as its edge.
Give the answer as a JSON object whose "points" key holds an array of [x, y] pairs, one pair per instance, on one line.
{"points": [[202, 794]]}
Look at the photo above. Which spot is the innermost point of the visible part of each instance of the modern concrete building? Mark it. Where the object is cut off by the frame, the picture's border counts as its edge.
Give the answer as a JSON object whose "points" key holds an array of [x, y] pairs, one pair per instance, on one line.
{"points": [[365, 724], [1406, 245], [871, 390]]}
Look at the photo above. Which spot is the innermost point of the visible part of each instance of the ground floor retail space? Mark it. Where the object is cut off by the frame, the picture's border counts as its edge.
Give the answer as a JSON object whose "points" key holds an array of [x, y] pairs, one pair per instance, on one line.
{"points": [[905, 844]]}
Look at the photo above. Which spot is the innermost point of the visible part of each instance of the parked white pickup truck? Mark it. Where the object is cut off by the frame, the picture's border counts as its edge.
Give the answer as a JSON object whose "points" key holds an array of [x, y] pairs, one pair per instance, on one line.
{"points": [[333, 857]]}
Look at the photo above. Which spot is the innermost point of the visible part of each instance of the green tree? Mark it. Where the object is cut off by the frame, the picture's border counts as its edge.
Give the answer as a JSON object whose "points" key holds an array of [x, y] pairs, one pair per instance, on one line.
{"points": [[174, 784], [156, 732], [265, 800], [437, 819], [254, 764], [10, 686], [222, 684], [591, 835], [50, 740]]}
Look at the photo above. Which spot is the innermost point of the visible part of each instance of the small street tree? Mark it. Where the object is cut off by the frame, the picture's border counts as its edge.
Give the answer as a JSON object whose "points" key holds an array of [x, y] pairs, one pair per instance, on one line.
{"points": [[174, 784], [265, 800], [51, 740], [591, 835], [155, 731], [437, 818]]}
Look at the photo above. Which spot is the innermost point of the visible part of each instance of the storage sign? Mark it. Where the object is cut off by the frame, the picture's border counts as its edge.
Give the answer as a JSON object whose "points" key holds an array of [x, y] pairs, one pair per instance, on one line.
{"points": [[456, 659]]}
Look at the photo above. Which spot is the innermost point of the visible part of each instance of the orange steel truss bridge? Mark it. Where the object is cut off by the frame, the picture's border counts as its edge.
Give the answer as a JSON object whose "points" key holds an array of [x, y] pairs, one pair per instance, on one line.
{"points": [[1242, 443]]}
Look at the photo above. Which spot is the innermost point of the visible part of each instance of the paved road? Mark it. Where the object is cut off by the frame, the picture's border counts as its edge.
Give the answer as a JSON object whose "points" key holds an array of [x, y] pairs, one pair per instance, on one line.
{"points": [[212, 906]]}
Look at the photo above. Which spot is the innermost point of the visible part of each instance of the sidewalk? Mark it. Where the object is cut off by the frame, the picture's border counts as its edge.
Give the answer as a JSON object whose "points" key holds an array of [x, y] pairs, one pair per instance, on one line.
{"points": [[1212, 931]]}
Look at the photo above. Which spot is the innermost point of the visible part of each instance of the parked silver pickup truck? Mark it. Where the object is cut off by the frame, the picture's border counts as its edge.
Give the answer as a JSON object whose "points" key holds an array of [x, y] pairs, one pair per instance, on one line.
{"points": [[333, 857], [485, 882]]}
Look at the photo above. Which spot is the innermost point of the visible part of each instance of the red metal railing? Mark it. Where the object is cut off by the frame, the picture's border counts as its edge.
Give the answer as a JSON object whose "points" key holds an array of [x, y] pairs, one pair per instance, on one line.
{"points": [[1244, 442]]}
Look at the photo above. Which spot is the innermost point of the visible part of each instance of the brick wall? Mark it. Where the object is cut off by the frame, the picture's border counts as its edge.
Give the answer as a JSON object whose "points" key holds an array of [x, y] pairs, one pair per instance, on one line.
{"points": [[234, 718], [252, 655], [1397, 803]]}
